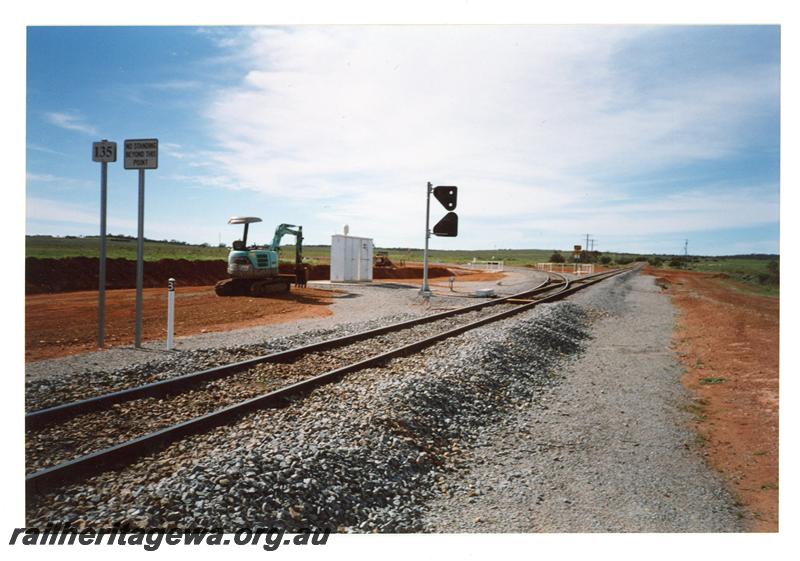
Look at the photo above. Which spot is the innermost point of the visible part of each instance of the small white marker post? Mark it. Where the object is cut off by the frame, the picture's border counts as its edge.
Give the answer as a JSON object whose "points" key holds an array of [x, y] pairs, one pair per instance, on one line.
{"points": [[170, 314]]}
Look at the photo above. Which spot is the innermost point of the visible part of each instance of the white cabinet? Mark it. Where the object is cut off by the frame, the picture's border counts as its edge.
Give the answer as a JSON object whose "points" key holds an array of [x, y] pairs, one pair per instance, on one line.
{"points": [[351, 258]]}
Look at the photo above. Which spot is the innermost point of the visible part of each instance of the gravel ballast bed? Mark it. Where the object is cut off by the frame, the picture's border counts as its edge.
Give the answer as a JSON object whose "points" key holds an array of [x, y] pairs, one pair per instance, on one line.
{"points": [[123, 421], [360, 455], [80, 383], [495, 430]]}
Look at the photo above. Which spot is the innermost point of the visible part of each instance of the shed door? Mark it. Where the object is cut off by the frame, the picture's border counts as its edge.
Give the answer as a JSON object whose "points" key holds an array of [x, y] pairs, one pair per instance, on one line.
{"points": [[365, 261]]}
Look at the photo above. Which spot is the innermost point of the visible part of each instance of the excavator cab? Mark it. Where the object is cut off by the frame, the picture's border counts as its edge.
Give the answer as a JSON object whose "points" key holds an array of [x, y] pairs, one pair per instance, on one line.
{"points": [[241, 245]]}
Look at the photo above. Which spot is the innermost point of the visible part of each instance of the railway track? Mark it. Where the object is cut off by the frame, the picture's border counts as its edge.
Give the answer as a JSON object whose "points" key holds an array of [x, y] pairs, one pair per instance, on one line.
{"points": [[117, 428]]}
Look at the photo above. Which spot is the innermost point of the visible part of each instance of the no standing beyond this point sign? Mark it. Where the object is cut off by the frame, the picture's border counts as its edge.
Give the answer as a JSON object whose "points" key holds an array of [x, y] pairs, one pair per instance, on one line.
{"points": [[141, 153]]}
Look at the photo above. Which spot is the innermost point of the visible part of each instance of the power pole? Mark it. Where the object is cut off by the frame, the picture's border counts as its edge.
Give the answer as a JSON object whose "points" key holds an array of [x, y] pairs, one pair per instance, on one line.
{"points": [[686, 249], [586, 247]]}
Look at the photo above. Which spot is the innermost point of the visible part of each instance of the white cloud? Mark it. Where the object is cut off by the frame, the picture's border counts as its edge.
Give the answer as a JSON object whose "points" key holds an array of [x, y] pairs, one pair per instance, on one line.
{"points": [[70, 122], [689, 211], [57, 217], [38, 209], [44, 149], [177, 85], [32, 177], [43, 177], [172, 150], [526, 120], [203, 181]]}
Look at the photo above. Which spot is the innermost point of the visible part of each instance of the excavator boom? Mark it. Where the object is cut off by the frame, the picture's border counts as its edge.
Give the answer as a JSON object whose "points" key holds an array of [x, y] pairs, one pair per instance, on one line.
{"points": [[281, 231], [284, 229]]}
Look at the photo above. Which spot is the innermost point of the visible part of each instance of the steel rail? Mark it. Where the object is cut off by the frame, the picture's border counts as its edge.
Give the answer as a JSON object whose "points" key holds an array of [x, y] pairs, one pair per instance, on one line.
{"points": [[129, 451], [40, 418]]}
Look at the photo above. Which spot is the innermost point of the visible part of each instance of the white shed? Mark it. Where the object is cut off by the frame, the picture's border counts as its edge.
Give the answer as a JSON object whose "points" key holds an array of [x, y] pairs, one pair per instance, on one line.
{"points": [[351, 258]]}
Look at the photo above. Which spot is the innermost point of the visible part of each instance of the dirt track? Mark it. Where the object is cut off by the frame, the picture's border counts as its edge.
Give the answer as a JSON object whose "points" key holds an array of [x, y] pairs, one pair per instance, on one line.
{"points": [[728, 342]]}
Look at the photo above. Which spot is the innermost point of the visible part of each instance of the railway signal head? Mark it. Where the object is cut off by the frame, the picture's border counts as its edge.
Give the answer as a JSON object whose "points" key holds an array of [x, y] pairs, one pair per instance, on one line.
{"points": [[447, 196], [447, 226]]}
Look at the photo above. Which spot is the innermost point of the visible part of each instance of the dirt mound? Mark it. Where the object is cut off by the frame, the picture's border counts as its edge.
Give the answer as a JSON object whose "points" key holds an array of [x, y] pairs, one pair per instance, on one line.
{"points": [[315, 272], [662, 283], [72, 274], [408, 272], [81, 273]]}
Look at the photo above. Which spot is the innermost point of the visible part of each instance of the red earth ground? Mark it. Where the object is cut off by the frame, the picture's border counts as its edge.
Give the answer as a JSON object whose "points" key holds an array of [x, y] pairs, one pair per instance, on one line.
{"points": [[728, 341], [65, 323]]}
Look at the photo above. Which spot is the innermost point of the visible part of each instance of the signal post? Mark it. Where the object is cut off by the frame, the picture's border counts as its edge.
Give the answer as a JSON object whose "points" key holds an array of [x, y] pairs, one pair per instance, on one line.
{"points": [[446, 227]]}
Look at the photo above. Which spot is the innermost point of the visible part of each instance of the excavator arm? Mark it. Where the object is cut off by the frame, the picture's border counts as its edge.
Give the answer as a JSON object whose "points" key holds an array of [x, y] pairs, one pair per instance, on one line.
{"points": [[281, 231], [284, 229]]}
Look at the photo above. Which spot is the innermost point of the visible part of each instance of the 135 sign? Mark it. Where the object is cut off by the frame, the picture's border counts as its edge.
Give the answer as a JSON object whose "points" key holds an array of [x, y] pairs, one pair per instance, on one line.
{"points": [[104, 151]]}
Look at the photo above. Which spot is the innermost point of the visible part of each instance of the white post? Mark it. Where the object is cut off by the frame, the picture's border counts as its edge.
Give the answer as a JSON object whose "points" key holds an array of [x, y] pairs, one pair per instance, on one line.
{"points": [[170, 314]]}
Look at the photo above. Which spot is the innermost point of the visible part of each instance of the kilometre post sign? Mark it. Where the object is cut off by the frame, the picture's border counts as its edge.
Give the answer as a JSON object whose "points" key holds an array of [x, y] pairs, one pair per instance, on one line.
{"points": [[141, 153], [104, 151]]}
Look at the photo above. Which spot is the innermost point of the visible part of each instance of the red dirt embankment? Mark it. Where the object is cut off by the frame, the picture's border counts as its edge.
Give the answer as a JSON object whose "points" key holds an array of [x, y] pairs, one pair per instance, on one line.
{"points": [[728, 342], [45, 276]]}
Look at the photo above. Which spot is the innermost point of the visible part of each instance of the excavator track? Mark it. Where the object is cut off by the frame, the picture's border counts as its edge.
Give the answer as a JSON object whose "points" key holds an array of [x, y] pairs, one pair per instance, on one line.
{"points": [[268, 287], [232, 287], [254, 287]]}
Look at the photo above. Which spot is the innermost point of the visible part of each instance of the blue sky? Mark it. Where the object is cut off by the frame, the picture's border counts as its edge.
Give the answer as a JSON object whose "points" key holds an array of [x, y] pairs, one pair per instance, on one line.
{"points": [[641, 136]]}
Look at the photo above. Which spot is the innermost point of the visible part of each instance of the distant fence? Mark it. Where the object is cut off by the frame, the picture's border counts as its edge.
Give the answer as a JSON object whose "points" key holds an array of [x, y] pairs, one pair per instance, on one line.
{"points": [[496, 266], [574, 268]]}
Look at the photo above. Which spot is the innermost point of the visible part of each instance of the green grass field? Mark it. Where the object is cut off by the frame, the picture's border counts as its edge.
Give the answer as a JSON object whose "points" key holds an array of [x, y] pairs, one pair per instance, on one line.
{"points": [[754, 272], [513, 257], [730, 265], [57, 248]]}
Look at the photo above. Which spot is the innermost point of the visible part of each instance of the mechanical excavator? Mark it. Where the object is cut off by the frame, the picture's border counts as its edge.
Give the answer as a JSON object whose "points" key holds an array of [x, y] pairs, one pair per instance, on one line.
{"points": [[254, 269]]}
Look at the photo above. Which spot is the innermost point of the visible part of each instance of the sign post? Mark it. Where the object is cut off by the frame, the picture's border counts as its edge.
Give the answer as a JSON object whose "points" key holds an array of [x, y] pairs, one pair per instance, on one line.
{"points": [[170, 313], [103, 152], [140, 154]]}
